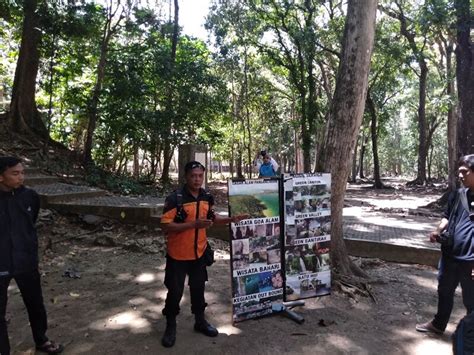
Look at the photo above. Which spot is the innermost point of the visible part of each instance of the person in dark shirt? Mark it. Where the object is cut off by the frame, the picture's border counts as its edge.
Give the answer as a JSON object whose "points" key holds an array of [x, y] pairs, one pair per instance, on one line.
{"points": [[456, 235], [19, 207]]}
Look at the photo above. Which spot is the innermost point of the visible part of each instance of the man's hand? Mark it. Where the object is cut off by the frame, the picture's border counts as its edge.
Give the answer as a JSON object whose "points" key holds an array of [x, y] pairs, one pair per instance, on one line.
{"points": [[434, 236], [203, 223]]}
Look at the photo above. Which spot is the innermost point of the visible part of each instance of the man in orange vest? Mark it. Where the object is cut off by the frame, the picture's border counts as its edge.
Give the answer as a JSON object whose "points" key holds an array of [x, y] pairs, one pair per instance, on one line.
{"points": [[187, 214]]}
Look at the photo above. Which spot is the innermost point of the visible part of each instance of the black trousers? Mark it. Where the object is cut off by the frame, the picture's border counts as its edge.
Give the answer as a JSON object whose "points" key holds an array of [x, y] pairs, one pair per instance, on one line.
{"points": [[30, 287], [451, 273], [175, 275]]}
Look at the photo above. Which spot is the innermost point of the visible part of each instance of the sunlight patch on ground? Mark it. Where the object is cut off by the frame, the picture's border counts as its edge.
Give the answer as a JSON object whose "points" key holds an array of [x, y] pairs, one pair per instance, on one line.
{"points": [[145, 277], [229, 329], [413, 342], [220, 255], [431, 346], [126, 320], [126, 276], [138, 301], [424, 281], [363, 229], [162, 294], [343, 344]]}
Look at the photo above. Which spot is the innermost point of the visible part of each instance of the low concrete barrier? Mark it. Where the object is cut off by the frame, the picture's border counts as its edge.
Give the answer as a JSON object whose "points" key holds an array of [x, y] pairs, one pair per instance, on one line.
{"points": [[393, 252]]}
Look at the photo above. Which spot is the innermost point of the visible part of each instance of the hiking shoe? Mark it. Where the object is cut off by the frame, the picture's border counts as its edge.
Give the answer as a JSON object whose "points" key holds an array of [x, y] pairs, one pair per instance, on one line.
{"points": [[169, 337], [428, 327], [205, 328]]}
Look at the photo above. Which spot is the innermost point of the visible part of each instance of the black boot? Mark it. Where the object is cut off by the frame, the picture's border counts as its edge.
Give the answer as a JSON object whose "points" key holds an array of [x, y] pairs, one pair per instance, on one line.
{"points": [[202, 326], [169, 337]]}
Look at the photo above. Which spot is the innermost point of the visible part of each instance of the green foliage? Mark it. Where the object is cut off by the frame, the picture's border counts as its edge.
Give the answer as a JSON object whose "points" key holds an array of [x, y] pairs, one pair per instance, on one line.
{"points": [[122, 184], [266, 81]]}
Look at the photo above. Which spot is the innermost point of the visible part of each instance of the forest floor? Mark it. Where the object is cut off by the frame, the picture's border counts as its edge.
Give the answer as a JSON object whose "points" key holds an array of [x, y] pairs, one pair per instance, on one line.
{"points": [[103, 289]]}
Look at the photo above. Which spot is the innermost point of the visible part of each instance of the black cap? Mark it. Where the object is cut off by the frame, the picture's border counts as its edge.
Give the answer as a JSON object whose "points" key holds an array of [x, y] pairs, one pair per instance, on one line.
{"points": [[263, 153], [193, 165]]}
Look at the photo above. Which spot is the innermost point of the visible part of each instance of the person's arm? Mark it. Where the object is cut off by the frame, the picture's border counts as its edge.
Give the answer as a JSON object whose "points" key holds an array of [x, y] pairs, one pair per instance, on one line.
{"points": [[174, 227], [169, 223], [274, 164], [35, 206], [226, 220], [441, 227]]}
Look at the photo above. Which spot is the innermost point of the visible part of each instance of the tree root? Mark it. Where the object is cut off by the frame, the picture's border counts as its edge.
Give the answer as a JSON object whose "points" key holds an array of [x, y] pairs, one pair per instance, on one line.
{"points": [[353, 286]]}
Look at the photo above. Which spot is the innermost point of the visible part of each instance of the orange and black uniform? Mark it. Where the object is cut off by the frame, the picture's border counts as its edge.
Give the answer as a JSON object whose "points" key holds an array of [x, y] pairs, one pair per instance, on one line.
{"points": [[185, 250]]}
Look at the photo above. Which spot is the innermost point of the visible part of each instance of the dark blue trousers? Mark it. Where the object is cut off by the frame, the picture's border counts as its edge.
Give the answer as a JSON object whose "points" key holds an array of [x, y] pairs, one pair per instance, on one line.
{"points": [[30, 288], [451, 273]]}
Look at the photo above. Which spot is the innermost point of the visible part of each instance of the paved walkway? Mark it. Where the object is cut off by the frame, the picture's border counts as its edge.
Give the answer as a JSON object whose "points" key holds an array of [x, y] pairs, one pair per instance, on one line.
{"points": [[399, 230], [391, 226]]}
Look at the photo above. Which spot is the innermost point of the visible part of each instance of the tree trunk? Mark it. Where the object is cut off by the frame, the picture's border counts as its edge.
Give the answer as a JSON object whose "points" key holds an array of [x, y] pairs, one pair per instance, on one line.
{"points": [[363, 148], [354, 162], [136, 162], [167, 142], [347, 110], [92, 107], [452, 122], [167, 156], [422, 127], [421, 61], [23, 115], [465, 76], [373, 133]]}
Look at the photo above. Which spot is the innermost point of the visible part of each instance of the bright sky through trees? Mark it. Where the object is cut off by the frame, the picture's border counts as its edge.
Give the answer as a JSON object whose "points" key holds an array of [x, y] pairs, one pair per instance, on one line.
{"points": [[192, 15]]}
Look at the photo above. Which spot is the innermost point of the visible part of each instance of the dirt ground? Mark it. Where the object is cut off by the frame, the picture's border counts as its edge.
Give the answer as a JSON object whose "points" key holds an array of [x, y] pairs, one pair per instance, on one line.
{"points": [[103, 289]]}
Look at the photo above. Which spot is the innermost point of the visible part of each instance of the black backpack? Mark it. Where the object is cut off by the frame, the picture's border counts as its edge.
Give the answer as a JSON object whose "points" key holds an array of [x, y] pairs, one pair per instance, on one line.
{"points": [[463, 336]]}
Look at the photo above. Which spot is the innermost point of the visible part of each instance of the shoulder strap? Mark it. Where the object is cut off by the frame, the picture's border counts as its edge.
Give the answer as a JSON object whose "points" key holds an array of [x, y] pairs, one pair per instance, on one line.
{"points": [[453, 211], [463, 199], [179, 198]]}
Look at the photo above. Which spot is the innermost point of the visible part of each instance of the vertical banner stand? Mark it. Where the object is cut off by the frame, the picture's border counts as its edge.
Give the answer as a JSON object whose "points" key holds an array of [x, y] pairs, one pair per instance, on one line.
{"points": [[280, 254]]}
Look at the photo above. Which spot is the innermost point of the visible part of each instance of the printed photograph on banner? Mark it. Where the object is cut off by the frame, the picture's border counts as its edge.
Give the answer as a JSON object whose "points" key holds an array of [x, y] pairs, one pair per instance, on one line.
{"points": [[312, 205], [240, 254], [308, 285], [312, 256], [307, 235], [257, 198], [312, 227], [256, 250], [311, 193], [255, 305]]}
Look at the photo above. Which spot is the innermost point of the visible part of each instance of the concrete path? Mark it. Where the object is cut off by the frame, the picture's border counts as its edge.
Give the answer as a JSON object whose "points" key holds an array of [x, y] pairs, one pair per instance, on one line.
{"points": [[391, 226]]}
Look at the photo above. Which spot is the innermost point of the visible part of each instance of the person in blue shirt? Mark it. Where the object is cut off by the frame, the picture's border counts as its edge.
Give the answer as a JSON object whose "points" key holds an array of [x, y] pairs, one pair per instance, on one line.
{"points": [[456, 265], [260, 160], [266, 168]]}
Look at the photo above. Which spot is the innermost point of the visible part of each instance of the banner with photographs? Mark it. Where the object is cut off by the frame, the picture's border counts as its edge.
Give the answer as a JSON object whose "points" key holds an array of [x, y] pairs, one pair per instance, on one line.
{"points": [[307, 239], [257, 278]]}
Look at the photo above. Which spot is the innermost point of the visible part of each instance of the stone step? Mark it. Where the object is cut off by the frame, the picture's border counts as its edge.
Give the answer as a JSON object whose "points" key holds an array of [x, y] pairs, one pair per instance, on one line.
{"points": [[32, 170], [40, 179], [392, 252], [124, 208], [50, 193]]}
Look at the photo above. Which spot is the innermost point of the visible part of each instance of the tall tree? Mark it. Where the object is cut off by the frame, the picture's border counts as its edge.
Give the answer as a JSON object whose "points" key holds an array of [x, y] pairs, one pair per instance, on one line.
{"points": [[465, 75], [347, 110], [407, 29], [168, 148], [23, 115], [115, 12], [294, 27]]}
